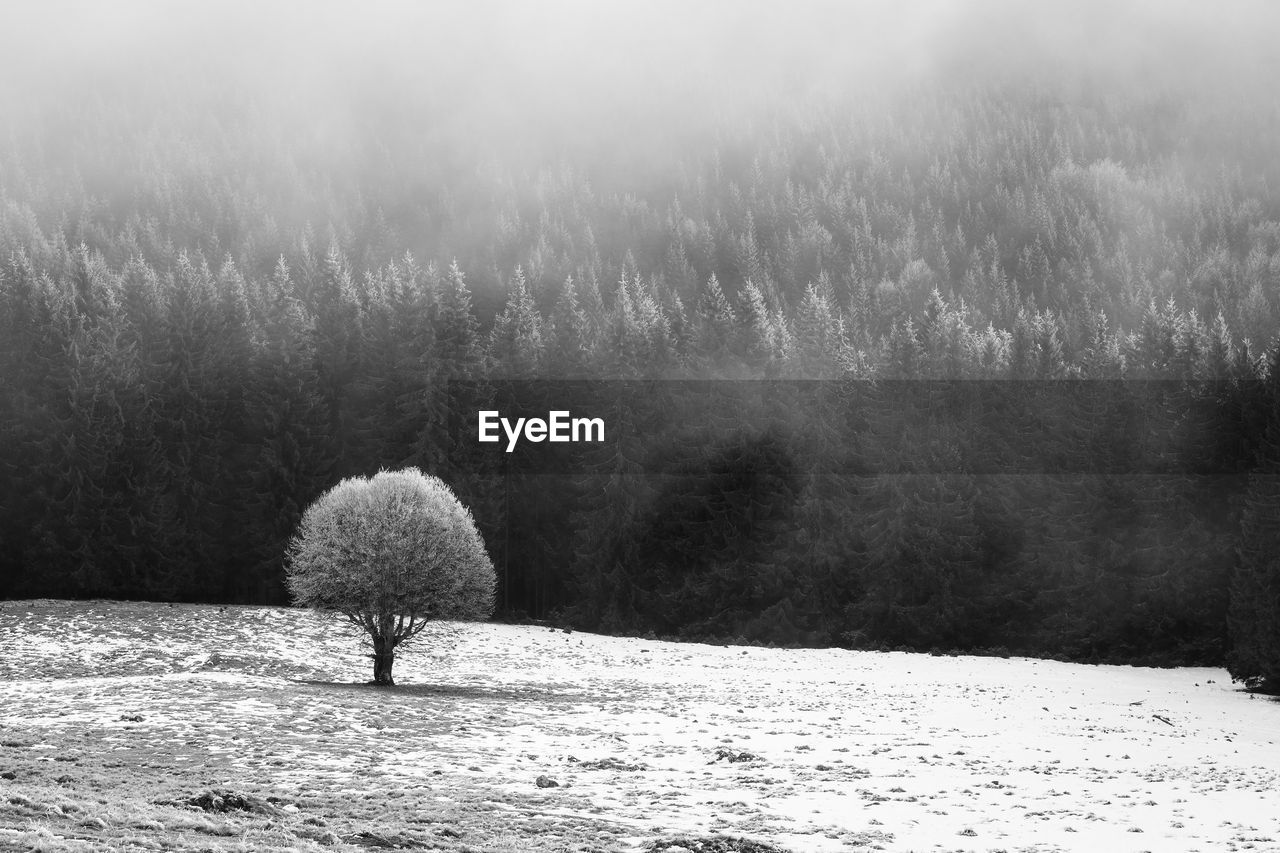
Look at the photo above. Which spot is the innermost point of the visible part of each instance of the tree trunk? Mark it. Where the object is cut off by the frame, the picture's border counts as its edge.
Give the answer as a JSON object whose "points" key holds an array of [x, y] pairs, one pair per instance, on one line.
{"points": [[384, 656]]}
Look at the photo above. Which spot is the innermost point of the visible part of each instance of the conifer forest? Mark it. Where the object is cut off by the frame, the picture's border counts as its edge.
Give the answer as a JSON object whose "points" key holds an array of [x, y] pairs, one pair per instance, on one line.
{"points": [[945, 330]]}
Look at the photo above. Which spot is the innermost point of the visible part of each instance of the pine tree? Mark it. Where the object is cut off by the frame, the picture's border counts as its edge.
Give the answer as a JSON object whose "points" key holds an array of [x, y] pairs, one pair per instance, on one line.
{"points": [[516, 342], [624, 342], [716, 325], [339, 335], [904, 356], [659, 346], [755, 340], [819, 338], [569, 343], [1219, 353], [458, 352], [282, 402]]}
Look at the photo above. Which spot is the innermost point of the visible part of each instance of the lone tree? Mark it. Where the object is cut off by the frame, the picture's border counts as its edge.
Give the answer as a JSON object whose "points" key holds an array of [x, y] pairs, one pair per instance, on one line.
{"points": [[390, 553]]}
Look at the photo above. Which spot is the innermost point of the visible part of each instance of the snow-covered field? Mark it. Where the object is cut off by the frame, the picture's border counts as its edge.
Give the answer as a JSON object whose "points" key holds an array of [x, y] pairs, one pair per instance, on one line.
{"points": [[112, 715]]}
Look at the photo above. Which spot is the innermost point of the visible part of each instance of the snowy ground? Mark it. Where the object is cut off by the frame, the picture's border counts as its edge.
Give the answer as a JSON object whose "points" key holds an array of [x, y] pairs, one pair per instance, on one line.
{"points": [[112, 713]]}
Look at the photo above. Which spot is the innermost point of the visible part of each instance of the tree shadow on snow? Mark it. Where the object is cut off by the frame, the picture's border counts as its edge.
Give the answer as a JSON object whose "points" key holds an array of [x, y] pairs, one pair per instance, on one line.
{"points": [[494, 693]]}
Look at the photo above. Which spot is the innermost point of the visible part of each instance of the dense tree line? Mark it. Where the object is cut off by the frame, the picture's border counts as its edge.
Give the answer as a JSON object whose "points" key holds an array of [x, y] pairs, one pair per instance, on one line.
{"points": [[199, 339]]}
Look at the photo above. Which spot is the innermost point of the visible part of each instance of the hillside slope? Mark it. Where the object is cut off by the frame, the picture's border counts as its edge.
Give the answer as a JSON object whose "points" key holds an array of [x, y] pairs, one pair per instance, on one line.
{"points": [[112, 715]]}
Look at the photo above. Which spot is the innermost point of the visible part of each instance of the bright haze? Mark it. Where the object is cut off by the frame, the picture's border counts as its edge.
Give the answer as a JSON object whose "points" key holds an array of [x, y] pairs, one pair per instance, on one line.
{"points": [[577, 74]]}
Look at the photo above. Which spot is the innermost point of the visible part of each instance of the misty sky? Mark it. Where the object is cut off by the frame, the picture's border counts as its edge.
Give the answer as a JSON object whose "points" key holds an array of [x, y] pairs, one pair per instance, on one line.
{"points": [[504, 64], [389, 99]]}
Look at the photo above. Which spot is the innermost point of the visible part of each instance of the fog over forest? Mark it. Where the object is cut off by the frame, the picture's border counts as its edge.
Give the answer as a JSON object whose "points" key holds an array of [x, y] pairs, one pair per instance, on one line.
{"points": [[399, 96], [248, 249]]}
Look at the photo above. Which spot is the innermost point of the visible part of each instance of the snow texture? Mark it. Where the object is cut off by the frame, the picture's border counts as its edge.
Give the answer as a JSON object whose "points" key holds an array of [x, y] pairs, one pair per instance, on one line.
{"points": [[812, 750]]}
